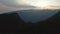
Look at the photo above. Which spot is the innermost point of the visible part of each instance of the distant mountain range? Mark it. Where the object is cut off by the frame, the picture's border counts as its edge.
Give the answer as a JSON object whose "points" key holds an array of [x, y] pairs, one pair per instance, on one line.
{"points": [[35, 15]]}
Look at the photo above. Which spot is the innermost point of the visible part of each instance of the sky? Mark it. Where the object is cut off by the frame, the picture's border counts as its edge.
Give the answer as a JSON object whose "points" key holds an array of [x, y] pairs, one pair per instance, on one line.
{"points": [[10, 5]]}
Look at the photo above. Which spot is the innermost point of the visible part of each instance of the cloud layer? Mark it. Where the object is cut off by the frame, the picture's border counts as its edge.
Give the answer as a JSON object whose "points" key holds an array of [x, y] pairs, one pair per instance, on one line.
{"points": [[10, 5]]}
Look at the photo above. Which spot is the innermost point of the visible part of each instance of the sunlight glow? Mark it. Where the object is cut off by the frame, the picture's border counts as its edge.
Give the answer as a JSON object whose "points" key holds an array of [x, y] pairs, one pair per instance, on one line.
{"points": [[41, 3], [36, 3]]}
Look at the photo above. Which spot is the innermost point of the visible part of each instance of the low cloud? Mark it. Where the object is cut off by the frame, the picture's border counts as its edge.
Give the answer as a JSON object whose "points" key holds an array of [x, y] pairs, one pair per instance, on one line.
{"points": [[11, 5]]}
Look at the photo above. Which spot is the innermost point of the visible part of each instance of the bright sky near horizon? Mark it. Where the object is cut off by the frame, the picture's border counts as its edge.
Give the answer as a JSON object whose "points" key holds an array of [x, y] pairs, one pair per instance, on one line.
{"points": [[40, 2], [19, 4]]}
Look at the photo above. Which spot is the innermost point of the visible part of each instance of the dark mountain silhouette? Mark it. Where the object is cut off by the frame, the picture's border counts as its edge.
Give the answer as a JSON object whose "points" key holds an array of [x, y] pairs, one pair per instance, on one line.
{"points": [[48, 26], [51, 25], [10, 22], [13, 24]]}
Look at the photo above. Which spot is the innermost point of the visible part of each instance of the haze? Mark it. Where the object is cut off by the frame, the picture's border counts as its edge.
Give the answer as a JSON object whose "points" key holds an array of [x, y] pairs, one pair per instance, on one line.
{"points": [[12, 5]]}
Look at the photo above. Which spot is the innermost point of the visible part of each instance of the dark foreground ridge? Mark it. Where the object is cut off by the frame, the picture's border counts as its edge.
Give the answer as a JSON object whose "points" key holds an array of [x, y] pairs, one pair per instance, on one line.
{"points": [[9, 22], [13, 24], [51, 25]]}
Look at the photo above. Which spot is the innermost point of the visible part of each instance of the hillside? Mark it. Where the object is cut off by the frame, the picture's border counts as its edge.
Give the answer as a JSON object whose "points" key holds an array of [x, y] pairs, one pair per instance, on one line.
{"points": [[51, 25], [10, 22], [13, 23]]}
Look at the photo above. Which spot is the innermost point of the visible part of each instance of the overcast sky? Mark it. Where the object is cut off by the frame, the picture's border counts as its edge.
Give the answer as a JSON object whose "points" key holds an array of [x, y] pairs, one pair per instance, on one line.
{"points": [[13, 4]]}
